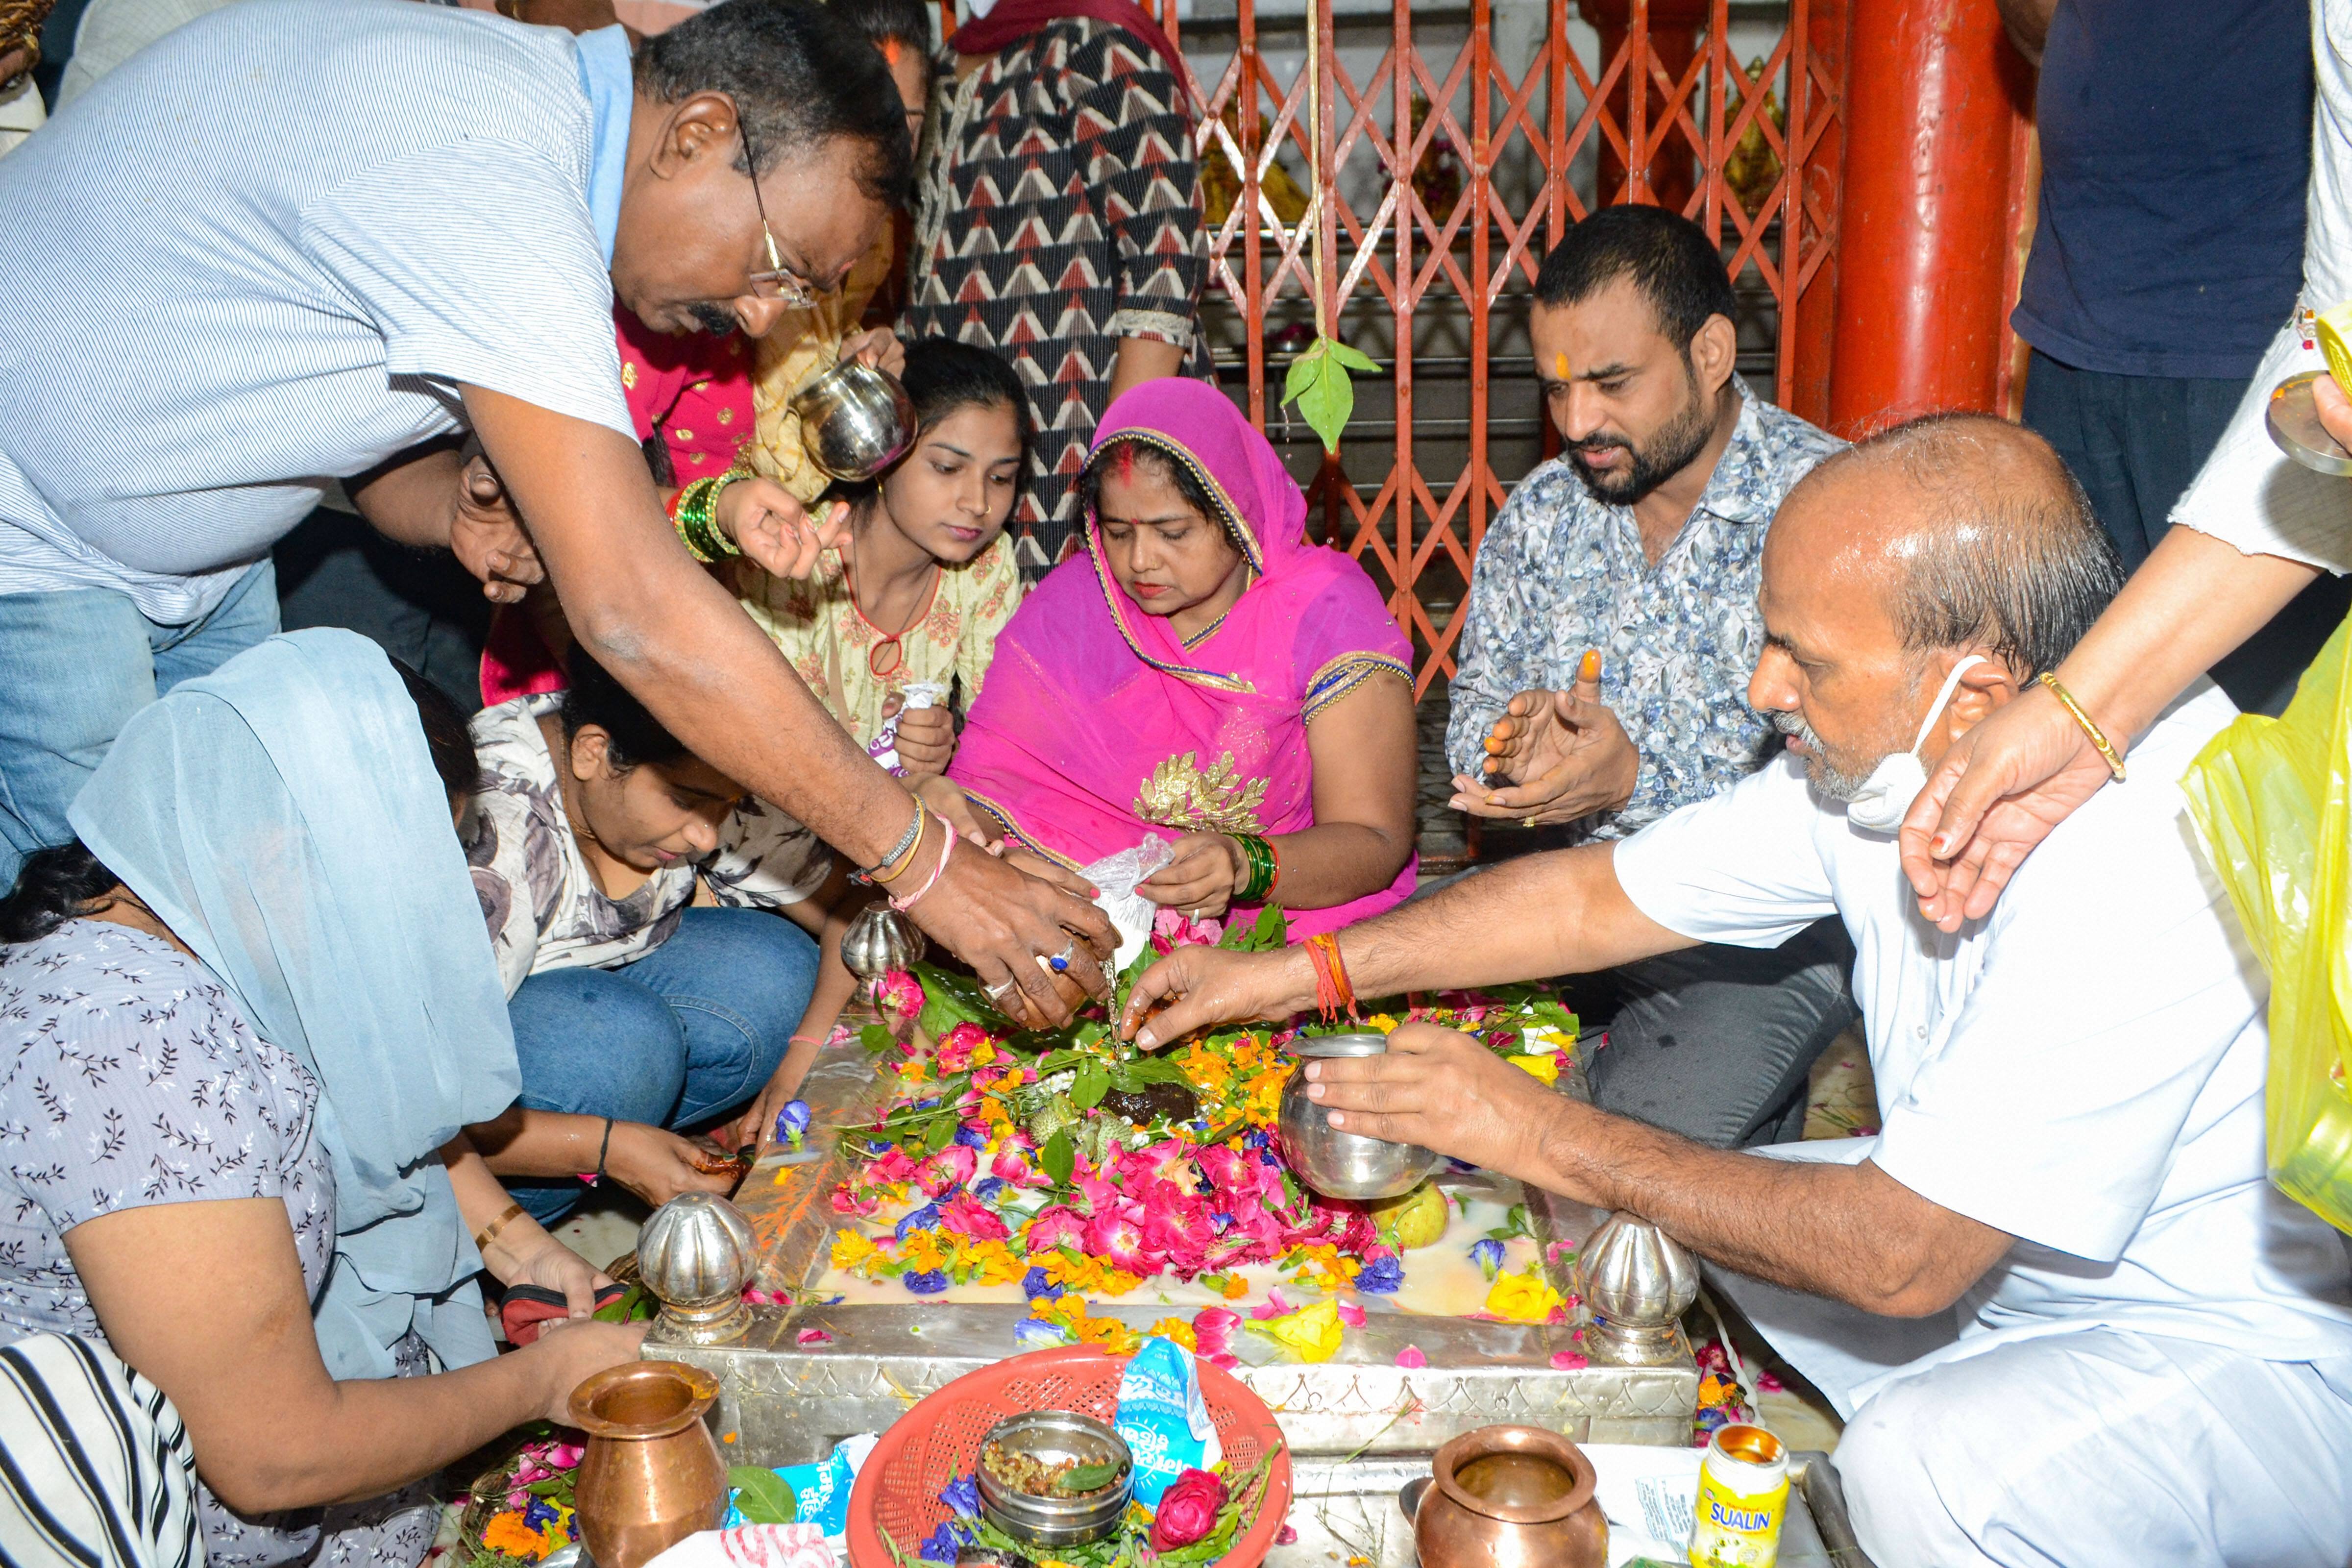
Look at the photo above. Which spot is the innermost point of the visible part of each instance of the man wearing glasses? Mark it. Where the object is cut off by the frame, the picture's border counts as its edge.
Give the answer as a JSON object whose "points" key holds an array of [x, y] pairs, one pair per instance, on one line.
{"points": [[416, 222]]}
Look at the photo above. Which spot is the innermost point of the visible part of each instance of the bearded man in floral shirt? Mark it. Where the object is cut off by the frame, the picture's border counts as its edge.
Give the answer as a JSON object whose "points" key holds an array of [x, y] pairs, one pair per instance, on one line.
{"points": [[1602, 669]]}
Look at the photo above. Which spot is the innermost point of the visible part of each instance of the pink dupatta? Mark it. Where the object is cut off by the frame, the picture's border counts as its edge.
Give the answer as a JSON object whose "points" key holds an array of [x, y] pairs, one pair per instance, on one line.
{"points": [[1099, 725]]}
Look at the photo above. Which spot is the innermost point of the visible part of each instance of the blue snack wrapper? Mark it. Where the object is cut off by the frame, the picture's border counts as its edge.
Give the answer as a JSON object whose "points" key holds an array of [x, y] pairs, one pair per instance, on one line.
{"points": [[821, 1490], [1164, 1419]]}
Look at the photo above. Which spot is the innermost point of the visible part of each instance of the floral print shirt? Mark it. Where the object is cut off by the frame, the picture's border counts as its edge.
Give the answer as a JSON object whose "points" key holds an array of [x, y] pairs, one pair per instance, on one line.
{"points": [[542, 904], [1560, 572], [129, 1075]]}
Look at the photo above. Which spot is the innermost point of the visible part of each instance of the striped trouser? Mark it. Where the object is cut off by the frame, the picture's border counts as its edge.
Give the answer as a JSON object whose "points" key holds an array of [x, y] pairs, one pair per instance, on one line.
{"points": [[96, 1470]]}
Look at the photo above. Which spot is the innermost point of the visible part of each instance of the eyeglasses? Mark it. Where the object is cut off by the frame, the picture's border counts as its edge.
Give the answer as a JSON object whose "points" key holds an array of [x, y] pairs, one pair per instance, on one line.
{"points": [[778, 282]]}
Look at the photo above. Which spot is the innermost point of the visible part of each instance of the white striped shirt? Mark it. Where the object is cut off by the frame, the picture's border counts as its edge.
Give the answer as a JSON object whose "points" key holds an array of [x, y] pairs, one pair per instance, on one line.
{"points": [[261, 255]]}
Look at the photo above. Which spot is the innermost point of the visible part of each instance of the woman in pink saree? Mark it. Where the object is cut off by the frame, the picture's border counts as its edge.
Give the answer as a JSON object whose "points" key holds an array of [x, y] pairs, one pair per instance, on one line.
{"points": [[1203, 673]]}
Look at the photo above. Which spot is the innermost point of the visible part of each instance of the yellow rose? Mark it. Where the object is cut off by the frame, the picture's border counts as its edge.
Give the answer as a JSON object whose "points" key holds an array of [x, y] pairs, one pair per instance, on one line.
{"points": [[1544, 1067], [1523, 1298]]}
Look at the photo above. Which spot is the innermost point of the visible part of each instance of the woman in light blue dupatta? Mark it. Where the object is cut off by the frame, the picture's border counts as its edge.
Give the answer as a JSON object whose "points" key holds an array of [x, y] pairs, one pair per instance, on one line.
{"points": [[263, 974]]}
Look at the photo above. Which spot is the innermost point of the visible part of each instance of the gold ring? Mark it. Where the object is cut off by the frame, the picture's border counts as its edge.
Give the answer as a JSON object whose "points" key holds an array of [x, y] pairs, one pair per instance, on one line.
{"points": [[1526, 822]]}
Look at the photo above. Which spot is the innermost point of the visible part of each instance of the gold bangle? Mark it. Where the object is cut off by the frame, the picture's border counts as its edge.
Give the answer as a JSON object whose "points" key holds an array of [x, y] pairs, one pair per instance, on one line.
{"points": [[2098, 737], [490, 1232], [883, 874]]}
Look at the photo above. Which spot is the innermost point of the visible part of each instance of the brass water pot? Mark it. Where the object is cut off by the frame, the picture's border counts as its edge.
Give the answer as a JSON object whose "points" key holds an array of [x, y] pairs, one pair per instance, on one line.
{"points": [[1510, 1497], [651, 1476]]}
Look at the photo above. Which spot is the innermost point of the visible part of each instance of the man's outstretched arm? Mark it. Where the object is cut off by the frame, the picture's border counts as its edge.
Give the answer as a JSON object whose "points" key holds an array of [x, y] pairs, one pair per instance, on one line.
{"points": [[1562, 913], [1851, 1232]]}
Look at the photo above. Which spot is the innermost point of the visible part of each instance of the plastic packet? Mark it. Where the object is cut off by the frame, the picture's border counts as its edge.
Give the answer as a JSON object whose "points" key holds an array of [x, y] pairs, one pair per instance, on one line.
{"points": [[1164, 1419], [883, 747], [819, 1491], [1116, 876], [750, 1546], [2272, 800]]}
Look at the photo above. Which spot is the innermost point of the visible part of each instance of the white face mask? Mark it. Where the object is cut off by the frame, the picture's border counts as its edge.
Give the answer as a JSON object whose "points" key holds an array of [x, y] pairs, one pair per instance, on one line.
{"points": [[1885, 798], [981, 8]]}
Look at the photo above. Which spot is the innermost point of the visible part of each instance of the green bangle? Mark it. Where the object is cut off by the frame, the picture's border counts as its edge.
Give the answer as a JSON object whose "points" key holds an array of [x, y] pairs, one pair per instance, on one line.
{"points": [[1259, 855]]}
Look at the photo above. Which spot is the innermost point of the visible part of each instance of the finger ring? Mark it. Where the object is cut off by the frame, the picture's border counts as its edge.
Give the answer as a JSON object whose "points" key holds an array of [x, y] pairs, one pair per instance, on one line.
{"points": [[1061, 961], [1526, 822], [1002, 986]]}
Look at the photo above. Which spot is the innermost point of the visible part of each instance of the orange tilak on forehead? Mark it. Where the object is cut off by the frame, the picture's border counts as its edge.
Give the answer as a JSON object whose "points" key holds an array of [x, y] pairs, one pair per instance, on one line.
{"points": [[1559, 366]]}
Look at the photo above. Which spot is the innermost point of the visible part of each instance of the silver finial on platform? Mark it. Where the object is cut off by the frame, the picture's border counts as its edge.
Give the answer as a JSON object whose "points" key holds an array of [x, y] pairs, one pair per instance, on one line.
{"points": [[696, 1254], [878, 940], [1637, 1281]]}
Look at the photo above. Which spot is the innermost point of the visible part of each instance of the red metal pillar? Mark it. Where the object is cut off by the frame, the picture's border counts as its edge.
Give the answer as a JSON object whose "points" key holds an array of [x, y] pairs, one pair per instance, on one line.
{"points": [[1933, 98]]}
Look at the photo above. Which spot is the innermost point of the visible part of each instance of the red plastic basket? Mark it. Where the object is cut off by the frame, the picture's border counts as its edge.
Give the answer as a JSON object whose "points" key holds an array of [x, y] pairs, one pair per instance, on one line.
{"points": [[898, 1487]]}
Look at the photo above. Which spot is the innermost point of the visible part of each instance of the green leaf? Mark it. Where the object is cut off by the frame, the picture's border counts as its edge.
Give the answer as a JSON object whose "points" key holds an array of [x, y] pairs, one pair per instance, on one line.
{"points": [[1082, 1478], [1272, 932], [1327, 405], [1305, 370], [949, 999], [1354, 358], [1137, 1071], [941, 1133], [1059, 1158], [875, 1038], [1092, 1083], [763, 1496]]}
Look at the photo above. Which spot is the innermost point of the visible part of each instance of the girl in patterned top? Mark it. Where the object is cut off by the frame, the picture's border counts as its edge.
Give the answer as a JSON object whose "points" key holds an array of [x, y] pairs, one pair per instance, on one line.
{"points": [[912, 602], [653, 926]]}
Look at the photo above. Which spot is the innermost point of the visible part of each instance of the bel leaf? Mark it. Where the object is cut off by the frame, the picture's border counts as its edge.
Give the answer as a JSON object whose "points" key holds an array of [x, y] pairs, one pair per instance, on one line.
{"points": [[1354, 358], [1059, 1158], [940, 1135], [1080, 1479], [1306, 371], [1327, 405], [876, 1037], [763, 1496], [1091, 1084]]}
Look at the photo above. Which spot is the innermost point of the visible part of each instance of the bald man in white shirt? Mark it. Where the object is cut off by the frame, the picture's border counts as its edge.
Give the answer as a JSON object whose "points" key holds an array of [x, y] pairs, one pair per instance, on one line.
{"points": [[2065, 1315]]}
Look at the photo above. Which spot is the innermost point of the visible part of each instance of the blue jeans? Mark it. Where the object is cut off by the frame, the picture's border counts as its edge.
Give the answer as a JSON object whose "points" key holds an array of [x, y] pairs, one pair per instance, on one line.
{"points": [[75, 663], [686, 1033]]}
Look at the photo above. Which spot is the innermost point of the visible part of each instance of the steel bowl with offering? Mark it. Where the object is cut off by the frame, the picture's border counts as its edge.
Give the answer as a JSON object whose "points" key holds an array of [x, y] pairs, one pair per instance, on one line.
{"points": [[858, 420], [1054, 1478], [2293, 417], [1336, 1163]]}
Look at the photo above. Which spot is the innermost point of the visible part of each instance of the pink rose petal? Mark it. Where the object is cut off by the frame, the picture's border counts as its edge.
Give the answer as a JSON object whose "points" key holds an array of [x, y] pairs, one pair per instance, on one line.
{"points": [[1274, 1306], [1287, 1537], [1351, 1314], [815, 1337], [1411, 1357], [1569, 1361]]}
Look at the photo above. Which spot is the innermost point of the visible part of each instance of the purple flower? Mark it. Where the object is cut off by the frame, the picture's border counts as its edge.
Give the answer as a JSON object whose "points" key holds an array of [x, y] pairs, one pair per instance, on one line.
{"points": [[1487, 1253], [926, 1283], [791, 1121], [970, 1139], [1381, 1276], [987, 1187], [1037, 1332], [538, 1514], [1036, 1287], [962, 1494], [946, 1543], [924, 1219]]}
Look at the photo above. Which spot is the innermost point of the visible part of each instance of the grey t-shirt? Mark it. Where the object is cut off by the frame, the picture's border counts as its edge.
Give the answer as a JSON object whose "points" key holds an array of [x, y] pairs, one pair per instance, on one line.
{"points": [[129, 1075]]}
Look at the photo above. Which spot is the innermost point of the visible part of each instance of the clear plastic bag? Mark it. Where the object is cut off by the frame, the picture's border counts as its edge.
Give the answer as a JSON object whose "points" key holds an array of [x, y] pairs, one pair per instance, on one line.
{"points": [[2273, 798], [1116, 876]]}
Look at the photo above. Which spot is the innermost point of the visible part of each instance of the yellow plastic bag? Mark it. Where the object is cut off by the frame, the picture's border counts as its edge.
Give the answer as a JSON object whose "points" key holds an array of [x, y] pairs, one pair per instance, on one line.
{"points": [[2273, 800]]}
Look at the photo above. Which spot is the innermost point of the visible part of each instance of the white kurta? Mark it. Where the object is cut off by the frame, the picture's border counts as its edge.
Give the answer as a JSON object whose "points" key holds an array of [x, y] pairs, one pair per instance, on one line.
{"points": [[2083, 1070]]}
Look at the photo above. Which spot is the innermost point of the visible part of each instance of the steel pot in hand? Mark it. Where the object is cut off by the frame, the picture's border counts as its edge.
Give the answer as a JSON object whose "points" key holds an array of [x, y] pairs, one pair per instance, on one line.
{"points": [[1336, 1163], [856, 420]]}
